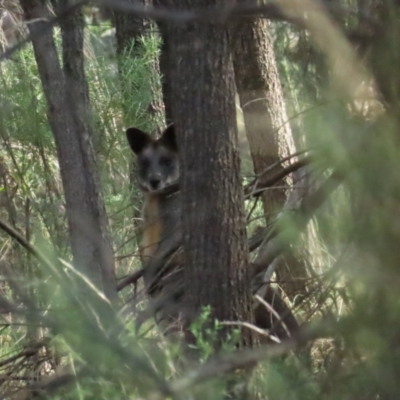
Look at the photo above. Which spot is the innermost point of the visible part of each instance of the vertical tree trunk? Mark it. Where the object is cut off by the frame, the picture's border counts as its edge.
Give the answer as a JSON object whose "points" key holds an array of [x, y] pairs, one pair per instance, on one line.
{"points": [[69, 115], [261, 99], [163, 27], [165, 72], [384, 52], [267, 128], [128, 28], [203, 107]]}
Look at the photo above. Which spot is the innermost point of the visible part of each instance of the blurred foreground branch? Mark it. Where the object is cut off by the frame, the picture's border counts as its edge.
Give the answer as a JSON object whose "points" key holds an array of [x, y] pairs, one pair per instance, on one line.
{"points": [[218, 14], [226, 363]]}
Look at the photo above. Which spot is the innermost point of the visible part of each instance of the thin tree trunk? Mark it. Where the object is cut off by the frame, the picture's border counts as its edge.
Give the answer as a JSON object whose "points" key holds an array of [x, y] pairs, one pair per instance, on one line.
{"points": [[164, 65], [69, 115], [128, 28], [129, 31], [267, 128], [203, 107], [261, 99], [384, 52], [165, 72]]}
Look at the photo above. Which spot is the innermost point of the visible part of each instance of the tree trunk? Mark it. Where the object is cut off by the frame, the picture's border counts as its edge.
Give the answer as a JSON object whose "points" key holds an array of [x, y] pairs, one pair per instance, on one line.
{"points": [[203, 107], [261, 99], [267, 128], [128, 28], [165, 72], [165, 66], [67, 97], [384, 52]]}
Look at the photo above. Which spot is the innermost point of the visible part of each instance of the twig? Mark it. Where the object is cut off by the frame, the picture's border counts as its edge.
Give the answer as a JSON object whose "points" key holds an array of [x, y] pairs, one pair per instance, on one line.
{"points": [[274, 165], [28, 351], [24, 243], [277, 177], [302, 216], [263, 332], [49, 384], [272, 311], [131, 279]]}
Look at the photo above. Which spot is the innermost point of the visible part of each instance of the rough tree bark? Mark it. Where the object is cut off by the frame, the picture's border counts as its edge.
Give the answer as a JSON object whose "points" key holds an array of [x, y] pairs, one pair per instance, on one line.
{"points": [[267, 128], [67, 97], [203, 108], [165, 68], [261, 98], [128, 28]]}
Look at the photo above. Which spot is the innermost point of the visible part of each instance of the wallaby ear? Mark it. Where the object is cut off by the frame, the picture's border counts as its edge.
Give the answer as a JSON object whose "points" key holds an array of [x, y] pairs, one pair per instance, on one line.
{"points": [[168, 137], [137, 139]]}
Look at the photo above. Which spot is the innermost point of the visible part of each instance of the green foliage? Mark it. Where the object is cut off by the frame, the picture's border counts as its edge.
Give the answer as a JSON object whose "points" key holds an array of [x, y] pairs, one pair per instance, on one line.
{"points": [[142, 86], [208, 335], [352, 256], [32, 198]]}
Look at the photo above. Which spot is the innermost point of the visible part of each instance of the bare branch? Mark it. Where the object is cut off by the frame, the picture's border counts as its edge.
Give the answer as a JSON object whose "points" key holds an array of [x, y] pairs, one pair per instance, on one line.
{"points": [[272, 311], [263, 332], [24, 243], [219, 14], [308, 207], [29, 350], [129, 280], [276, 178]]}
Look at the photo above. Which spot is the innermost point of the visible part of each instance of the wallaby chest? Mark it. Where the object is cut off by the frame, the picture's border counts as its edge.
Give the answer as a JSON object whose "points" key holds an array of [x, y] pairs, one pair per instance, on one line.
{"points": [[161, 218]]}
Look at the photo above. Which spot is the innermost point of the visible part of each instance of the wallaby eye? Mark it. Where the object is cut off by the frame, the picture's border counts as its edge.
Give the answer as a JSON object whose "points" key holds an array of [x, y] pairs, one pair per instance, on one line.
{"points": [[165, 161]]}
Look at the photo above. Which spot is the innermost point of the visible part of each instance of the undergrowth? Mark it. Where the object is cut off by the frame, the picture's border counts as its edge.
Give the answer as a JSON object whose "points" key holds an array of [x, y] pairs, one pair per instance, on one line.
{"points": [[351, 264]]}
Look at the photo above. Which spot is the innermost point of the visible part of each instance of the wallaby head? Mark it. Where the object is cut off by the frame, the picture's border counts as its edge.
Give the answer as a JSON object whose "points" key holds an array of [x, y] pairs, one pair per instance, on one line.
{"points": [[157, 159]]}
